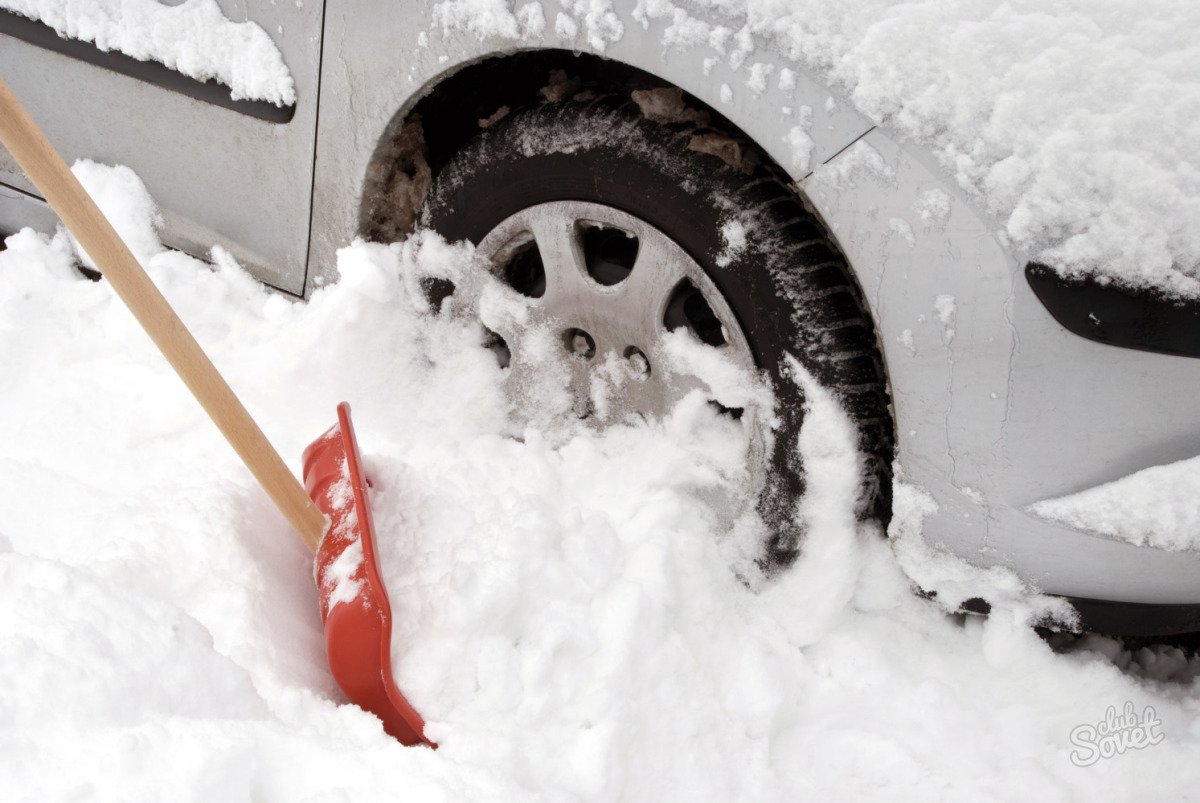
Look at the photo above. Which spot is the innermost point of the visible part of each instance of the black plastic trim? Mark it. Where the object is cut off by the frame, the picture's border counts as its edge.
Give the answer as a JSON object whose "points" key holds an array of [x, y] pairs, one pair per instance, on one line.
{"points": [[41, 35], [1129, 318], [1136, 618], [1109, 618]]}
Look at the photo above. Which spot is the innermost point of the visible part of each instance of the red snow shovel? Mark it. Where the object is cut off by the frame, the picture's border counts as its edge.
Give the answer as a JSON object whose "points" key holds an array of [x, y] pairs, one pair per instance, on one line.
{"points": [[354, 604]]}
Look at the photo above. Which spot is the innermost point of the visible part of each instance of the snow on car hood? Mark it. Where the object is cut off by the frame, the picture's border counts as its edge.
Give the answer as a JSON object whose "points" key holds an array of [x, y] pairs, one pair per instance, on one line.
{"points": [[1073, 123], [193, 38]]}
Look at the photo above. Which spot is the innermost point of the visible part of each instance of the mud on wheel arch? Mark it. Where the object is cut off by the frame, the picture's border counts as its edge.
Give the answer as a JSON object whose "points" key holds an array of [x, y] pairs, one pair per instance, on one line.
{"points": [[665, 161]]}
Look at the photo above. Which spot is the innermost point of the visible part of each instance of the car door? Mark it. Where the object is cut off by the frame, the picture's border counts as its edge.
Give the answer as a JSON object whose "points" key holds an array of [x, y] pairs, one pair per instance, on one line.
{"points": [[237, 173]]}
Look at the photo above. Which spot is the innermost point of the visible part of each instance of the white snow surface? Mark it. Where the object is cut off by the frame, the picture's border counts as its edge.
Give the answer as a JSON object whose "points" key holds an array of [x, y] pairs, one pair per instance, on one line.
{"points": [[1074, 123], [1154, 507], [193, 37], [571, 616]]}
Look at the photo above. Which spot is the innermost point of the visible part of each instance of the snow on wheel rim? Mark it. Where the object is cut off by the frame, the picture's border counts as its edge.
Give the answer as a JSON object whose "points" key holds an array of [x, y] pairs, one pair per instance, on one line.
{"points": [[612, 288]]}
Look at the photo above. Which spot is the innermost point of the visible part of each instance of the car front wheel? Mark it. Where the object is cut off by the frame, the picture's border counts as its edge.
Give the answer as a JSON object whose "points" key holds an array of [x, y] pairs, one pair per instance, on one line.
{"points": [[617, 230]]}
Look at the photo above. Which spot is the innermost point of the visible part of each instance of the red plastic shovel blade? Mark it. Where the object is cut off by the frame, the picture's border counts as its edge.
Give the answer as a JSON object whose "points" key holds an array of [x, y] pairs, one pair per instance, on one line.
{"points": [[354, 603]]}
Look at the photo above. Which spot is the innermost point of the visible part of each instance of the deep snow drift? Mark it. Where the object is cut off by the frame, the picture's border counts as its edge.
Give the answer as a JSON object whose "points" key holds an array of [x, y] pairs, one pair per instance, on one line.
{"points": [[572, 622]]}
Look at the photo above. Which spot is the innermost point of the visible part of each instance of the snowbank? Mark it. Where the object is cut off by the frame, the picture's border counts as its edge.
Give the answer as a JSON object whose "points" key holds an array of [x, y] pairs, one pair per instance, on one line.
{"points": [[193, 37], [569, 612], [1073, 123]]}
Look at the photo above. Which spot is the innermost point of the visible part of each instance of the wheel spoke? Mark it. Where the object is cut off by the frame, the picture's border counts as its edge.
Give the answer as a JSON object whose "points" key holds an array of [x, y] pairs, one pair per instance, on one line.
{"points": [[562, 257], [643, 295]]}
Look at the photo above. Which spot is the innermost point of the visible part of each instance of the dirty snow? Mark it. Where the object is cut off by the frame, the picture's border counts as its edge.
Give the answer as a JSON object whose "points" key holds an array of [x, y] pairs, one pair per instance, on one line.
{"points": [[193, 37], [1072, 123], [572, 619], [1153, 507]]}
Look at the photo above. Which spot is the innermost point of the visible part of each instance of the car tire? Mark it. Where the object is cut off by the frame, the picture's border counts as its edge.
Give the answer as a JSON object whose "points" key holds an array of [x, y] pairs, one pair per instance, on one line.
{"points": [[788, 283]]}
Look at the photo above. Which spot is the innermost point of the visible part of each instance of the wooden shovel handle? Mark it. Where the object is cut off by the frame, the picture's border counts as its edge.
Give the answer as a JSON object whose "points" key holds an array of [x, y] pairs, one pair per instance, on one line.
{"points": [[50, 174]]}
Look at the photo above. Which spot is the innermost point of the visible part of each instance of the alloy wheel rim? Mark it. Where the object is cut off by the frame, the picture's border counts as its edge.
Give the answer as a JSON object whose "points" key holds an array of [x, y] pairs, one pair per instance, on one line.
{"points": [[610, 286]]}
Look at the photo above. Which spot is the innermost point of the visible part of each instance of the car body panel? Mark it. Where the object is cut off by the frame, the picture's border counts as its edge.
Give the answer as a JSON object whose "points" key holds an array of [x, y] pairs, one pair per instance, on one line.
{"points": [[219, 176]]}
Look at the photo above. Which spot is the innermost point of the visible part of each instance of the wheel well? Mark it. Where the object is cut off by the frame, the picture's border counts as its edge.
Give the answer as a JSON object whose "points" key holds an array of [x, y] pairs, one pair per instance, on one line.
{"points": [[423, 137]]}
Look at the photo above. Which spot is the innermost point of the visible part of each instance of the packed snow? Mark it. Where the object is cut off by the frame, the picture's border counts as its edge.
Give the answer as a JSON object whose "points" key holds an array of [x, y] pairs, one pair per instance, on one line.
{"points": [[1073, 123], [193, 37], [573, 618], [1154, 507]]}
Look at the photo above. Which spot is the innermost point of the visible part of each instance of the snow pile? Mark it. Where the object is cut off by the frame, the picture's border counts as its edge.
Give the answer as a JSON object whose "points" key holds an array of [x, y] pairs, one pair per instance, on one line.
{"points": [[570, 617], [1072, 123], [1153, 507], [193, 37]]}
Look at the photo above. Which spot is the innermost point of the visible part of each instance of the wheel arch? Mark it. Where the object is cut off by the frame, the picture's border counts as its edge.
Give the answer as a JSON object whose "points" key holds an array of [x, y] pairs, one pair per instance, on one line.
{"points": [[452, 108], [451, 111]]}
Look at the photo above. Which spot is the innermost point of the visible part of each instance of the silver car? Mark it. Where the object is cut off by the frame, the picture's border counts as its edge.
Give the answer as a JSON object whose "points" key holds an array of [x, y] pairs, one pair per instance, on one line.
{"points": [[628, 192]]}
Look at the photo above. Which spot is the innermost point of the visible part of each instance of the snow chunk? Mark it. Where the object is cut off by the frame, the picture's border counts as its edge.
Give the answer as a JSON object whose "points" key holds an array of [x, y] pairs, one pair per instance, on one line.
{"points": [[759, 73], [531, 19], [565, 26], [600, 22], [787, 81], [124, 200], [194, 38], [483, 18], [800, 142], [900, 226], [1158, 507]]}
